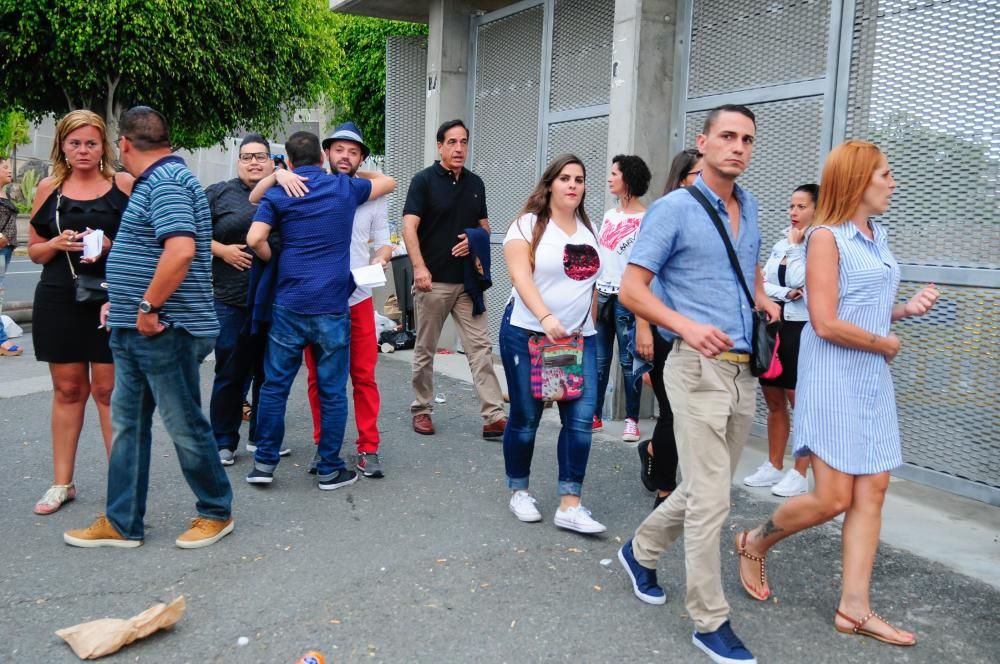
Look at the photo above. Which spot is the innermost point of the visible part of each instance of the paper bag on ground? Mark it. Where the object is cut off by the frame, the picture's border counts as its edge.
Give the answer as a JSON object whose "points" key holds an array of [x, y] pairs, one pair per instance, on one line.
{"points": [[102, 637]]}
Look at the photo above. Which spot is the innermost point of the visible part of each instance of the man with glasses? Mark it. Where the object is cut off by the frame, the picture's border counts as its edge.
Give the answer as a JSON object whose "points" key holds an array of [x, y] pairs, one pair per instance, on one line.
{"points": [[162, 325], [238, 356]]}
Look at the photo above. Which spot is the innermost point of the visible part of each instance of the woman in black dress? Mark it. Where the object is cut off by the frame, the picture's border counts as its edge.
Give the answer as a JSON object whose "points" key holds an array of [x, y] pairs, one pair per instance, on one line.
{"points": [[83, 193]]}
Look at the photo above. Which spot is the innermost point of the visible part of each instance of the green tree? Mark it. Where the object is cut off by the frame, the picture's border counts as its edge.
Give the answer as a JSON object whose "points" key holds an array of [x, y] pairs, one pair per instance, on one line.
{"points": [[211, 67], [358, 71], [14, 131]]}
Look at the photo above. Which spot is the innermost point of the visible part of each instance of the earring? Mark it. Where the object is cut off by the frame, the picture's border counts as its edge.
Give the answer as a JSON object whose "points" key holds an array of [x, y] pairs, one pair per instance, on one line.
{"points": [[100, 165], [68, 165]]}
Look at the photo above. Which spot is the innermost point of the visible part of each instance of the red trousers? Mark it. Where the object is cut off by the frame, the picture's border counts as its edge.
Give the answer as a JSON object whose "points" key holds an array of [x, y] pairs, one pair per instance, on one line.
{"points": [[364, 356]]}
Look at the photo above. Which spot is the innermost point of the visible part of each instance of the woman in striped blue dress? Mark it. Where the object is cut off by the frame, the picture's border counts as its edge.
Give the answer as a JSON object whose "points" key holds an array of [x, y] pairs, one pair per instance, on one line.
{"points": [[845, 415]]}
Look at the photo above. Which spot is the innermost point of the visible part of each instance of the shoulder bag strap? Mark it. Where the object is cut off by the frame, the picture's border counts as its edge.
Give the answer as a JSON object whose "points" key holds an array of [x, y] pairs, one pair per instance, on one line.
{"points": [[59, 229], [733, 260]]}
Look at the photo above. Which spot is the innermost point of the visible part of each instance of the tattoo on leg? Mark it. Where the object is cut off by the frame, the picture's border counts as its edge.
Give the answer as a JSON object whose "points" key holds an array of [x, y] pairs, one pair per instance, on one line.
{"points": [[769, 529]]}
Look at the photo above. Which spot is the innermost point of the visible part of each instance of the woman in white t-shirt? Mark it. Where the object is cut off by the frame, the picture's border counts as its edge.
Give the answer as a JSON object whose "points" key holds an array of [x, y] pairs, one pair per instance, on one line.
{"points": [[628, 181], [551, 254]]}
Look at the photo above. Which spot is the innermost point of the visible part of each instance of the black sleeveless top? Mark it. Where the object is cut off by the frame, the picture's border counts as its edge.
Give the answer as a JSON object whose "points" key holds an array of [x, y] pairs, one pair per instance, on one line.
{"points": [[102, 213]]}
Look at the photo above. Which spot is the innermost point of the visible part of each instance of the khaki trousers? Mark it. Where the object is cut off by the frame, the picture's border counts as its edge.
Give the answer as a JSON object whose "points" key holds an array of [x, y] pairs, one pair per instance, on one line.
{"points": [[432, 309], [713, 404]]}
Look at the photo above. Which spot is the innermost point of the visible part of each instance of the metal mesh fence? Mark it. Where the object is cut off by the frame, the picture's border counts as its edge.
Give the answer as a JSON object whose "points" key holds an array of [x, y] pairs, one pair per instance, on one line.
{"points": [[508, 72], [924, 88], [405, 108], [742, 44], [582, 44]]}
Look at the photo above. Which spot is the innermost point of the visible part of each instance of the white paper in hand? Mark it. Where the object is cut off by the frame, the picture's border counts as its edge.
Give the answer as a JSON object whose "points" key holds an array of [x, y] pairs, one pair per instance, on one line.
{"points": [[369, 275], [93, 243]]}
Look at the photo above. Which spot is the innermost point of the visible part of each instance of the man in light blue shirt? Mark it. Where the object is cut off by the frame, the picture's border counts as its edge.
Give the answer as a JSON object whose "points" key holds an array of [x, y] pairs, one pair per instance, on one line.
{"points": [[680, 279]]}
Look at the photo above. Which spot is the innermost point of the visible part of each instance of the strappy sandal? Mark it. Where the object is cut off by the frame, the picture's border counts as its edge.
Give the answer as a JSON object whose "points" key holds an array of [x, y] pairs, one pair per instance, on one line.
{"points": [[741, 542], [858, 629], [11, 351], [54, 498]]}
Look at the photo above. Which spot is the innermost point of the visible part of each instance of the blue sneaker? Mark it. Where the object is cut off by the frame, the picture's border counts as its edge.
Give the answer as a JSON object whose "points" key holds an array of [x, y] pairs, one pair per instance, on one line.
{"points": [[643, 579], [723, 646]]}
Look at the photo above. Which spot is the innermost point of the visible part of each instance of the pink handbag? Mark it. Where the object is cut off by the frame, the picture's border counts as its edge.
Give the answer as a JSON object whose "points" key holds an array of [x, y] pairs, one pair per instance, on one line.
{"points": [[775, 368]]}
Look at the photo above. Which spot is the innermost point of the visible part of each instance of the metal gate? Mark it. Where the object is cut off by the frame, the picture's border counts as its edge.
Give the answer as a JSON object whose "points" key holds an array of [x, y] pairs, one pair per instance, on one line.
{"points": [[917, 79], [541, 77], [405, 109]]}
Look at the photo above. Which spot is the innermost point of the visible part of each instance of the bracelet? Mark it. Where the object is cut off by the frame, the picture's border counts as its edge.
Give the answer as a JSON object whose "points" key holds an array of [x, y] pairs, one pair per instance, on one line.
{"points": [[544, 317]]}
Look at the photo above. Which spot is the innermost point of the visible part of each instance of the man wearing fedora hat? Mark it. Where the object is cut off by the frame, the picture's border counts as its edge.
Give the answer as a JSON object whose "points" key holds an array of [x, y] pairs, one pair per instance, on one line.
{"points": [[345, 150]]}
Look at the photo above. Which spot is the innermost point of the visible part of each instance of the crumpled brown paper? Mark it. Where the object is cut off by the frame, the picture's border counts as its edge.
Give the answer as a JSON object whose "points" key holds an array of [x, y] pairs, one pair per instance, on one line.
{"points": [[102, 637]]}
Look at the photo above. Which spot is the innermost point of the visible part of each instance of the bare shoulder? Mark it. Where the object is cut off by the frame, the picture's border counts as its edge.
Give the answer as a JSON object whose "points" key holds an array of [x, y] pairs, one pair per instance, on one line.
{"points": [[124, 181]]}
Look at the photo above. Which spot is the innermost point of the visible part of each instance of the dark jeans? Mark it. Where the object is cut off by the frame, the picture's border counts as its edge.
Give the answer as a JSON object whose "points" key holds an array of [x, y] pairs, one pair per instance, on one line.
{"points": [[614, 323], [160, 372], [573, 448], [238, 358], [330, 338], [664, 443]]}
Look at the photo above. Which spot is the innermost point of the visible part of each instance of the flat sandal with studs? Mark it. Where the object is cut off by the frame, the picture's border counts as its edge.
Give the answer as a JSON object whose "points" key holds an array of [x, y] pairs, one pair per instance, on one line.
{"points": [[858, 628], [741, 542]]}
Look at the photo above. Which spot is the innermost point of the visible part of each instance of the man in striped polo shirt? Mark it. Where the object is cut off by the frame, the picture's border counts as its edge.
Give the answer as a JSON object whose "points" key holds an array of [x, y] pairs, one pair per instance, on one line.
{"points": [[163, 324]]}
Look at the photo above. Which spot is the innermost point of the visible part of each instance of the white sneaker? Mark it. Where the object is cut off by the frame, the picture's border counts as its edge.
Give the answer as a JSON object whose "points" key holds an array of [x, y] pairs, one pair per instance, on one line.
{"points": [[523, 506], [792, 484], [631, 432], [765, 475], [578, 518]]}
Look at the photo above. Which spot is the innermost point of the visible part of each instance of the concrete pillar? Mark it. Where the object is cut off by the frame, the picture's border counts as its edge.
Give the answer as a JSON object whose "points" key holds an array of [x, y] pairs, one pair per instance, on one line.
{"points": [[639, 122], [642, 72], [447, 68]]}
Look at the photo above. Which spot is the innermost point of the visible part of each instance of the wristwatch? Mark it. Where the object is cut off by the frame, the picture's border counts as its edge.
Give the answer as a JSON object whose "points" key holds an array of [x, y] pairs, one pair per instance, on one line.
{"points": [[146, 308]]}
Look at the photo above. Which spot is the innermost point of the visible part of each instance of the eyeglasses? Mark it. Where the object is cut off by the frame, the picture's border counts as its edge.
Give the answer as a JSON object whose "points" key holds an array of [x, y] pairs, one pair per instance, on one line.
{"points": [[694, 173], [247, 157]]}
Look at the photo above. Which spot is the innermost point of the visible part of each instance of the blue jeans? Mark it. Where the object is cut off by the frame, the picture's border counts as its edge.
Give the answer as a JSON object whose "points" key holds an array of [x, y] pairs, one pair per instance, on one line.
{"points": [[330, 338], [616, 324], [5, 255], [573, 448], [160, 372], [236, 362]]}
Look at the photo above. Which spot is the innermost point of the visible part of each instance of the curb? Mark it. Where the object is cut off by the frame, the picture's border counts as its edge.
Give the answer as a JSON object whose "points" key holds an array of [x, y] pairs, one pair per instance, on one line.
{"points": [[19, 312]]}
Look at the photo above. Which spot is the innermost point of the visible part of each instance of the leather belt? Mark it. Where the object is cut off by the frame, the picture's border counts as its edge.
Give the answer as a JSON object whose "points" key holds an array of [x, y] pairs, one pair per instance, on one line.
{"points": [[725, 356]]}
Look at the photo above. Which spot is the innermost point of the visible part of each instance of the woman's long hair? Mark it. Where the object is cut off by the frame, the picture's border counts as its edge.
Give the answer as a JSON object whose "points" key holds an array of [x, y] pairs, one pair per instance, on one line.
{"points": [[68, 124], [680, 167], [538, 201], [847, 172]]}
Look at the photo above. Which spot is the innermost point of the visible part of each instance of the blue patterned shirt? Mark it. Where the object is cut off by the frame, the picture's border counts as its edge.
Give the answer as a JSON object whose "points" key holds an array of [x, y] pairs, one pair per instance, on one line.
{"points": [[678, 243], [314, 269], [167, 201]]}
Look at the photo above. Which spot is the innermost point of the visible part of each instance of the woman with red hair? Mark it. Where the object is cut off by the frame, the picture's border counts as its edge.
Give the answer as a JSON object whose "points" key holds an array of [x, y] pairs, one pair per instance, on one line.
{"points": [[845, 414]]}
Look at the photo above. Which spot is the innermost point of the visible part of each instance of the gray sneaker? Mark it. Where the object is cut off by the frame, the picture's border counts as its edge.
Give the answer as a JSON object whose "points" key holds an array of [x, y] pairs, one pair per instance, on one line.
{"points": [[370, 465], [227, 457]]}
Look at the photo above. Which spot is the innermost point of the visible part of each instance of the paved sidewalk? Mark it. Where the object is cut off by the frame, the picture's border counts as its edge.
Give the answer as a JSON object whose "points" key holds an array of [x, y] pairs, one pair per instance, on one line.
{"points": [[428, 565]]}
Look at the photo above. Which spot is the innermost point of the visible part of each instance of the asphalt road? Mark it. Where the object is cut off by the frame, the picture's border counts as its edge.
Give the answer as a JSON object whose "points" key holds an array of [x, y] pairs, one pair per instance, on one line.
{"points": [[427, 565], [22, 275]]}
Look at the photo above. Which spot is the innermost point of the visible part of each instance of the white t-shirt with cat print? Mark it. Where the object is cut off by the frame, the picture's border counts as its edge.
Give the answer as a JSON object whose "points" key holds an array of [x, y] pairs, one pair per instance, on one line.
{"points": [[566, 268]]}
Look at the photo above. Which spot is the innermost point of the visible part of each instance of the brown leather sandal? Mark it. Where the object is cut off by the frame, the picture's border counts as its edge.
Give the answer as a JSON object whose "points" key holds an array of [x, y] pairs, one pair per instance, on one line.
{"points": [[858, 629], [741, 542]]}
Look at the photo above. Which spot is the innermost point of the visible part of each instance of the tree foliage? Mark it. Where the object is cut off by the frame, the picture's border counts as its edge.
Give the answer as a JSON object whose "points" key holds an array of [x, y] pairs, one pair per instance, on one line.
{"points": [[211, 67], [14, 131], [358, 71]]}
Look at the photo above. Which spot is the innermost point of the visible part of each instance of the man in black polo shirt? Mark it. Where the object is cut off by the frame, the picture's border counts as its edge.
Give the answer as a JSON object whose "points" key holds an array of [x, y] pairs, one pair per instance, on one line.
{"points": [[443, 201], [237, 355]]}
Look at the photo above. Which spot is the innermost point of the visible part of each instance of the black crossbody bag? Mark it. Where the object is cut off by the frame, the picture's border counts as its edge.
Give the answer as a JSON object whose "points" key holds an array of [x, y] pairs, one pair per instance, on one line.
{"points": [[763, 334]]}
